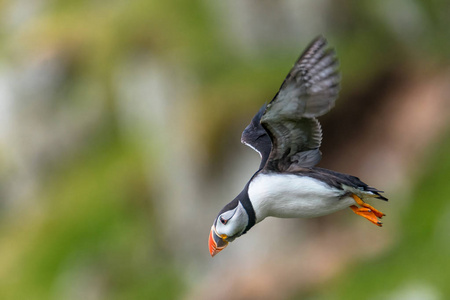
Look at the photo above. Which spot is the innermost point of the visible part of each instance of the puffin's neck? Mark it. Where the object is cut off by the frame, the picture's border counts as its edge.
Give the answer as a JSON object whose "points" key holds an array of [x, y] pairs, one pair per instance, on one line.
{"points": [[260, 196], [247, 204]]}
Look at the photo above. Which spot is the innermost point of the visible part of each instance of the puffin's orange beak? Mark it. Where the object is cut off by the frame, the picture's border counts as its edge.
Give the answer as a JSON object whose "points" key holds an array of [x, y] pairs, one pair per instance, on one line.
{"points": [[215, 242]]}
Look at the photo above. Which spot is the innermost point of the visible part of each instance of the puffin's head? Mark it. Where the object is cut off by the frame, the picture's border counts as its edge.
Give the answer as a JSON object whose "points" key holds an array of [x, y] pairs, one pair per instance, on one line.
{"points": [[229, 224]]}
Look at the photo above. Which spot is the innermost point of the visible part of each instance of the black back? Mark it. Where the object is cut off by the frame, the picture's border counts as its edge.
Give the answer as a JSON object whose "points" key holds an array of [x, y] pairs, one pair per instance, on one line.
{"points": [[256, 137]]}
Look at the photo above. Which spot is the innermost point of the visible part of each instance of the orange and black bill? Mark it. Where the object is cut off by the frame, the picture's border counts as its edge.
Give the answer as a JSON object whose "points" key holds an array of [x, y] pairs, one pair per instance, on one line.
{"points": [[215, 242]]}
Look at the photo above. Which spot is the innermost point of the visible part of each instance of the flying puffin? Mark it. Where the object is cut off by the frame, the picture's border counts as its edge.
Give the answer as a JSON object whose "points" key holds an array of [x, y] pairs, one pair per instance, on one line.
{"points": [[287, 136]]}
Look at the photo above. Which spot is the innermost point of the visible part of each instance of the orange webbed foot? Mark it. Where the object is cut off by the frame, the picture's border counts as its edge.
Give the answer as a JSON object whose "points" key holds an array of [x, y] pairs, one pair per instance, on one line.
{"points": [[367, 211], [377, 213]]}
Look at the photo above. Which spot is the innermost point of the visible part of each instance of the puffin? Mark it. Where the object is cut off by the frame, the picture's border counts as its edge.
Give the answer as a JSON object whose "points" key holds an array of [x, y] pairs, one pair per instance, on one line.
{"points": [[287, 135]]}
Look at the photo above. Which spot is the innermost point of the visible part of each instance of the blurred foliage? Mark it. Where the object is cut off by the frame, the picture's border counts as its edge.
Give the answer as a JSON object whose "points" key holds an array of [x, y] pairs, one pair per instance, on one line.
{"points": [[88, 233], [416, 266]]}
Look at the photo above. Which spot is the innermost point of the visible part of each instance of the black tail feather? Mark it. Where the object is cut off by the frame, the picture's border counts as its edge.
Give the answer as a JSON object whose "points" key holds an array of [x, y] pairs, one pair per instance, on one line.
{"points": [[377, 192]]}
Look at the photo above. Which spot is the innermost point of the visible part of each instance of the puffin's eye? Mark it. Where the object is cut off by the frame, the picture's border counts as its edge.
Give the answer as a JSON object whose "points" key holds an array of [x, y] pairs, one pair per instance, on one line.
{"points": [[223, 221]]}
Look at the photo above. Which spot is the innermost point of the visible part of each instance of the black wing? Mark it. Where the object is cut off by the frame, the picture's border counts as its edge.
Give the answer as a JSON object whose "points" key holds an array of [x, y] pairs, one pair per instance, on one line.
{"points": [[339, 180], [256, 137], [309, 90]]}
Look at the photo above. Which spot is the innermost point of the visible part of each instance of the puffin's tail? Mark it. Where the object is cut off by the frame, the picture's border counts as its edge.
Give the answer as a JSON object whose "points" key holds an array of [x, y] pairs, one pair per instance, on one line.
{"points": [[376, 193]]}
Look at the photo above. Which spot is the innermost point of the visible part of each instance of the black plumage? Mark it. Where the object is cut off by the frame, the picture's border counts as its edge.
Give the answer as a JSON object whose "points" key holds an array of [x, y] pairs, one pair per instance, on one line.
{"points": [[287, 135], [286, 132]]}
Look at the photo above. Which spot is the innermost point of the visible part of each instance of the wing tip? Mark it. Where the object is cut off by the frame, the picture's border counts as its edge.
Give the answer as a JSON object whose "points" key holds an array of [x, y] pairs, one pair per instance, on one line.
{"points": [[319, 39]]}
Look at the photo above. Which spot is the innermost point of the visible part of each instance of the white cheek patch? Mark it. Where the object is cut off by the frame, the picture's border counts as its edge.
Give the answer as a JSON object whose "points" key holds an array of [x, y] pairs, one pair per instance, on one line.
{"points": [[227, 215], [236, 224]]}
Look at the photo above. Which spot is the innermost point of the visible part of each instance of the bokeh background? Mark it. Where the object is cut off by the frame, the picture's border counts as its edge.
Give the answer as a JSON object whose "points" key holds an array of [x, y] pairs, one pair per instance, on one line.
{"points": [[120, 124]]}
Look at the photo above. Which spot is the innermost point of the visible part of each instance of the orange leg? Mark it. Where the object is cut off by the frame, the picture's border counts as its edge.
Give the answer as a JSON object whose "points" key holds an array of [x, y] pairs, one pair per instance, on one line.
{"points": [[358, 200], [367, 211]]}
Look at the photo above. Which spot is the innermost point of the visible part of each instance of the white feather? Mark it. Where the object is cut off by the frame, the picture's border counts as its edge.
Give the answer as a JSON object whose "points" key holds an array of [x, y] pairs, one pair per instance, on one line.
{"points": [[247, 144], [293, 196]]}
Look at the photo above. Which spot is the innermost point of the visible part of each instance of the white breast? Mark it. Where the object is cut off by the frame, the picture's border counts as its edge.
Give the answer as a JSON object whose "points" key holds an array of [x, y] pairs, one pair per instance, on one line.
{"points": [[293, 196]]}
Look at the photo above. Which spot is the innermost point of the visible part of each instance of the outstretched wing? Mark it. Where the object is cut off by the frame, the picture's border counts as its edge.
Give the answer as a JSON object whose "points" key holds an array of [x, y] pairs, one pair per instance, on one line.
{"points": [[256, 137], [309, 90]]}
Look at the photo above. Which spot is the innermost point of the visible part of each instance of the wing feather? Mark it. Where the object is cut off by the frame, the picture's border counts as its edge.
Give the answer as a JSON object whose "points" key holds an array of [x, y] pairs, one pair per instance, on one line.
{"points": [[309, 91]]}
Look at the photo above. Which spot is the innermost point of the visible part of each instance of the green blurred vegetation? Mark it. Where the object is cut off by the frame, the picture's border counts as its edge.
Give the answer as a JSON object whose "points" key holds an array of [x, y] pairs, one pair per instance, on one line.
{"points": [[417, 265], [94, 224]]}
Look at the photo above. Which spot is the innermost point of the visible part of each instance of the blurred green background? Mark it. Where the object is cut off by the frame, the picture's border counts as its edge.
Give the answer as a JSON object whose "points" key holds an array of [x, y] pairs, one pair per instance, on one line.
{"points": [[120, 124]]}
